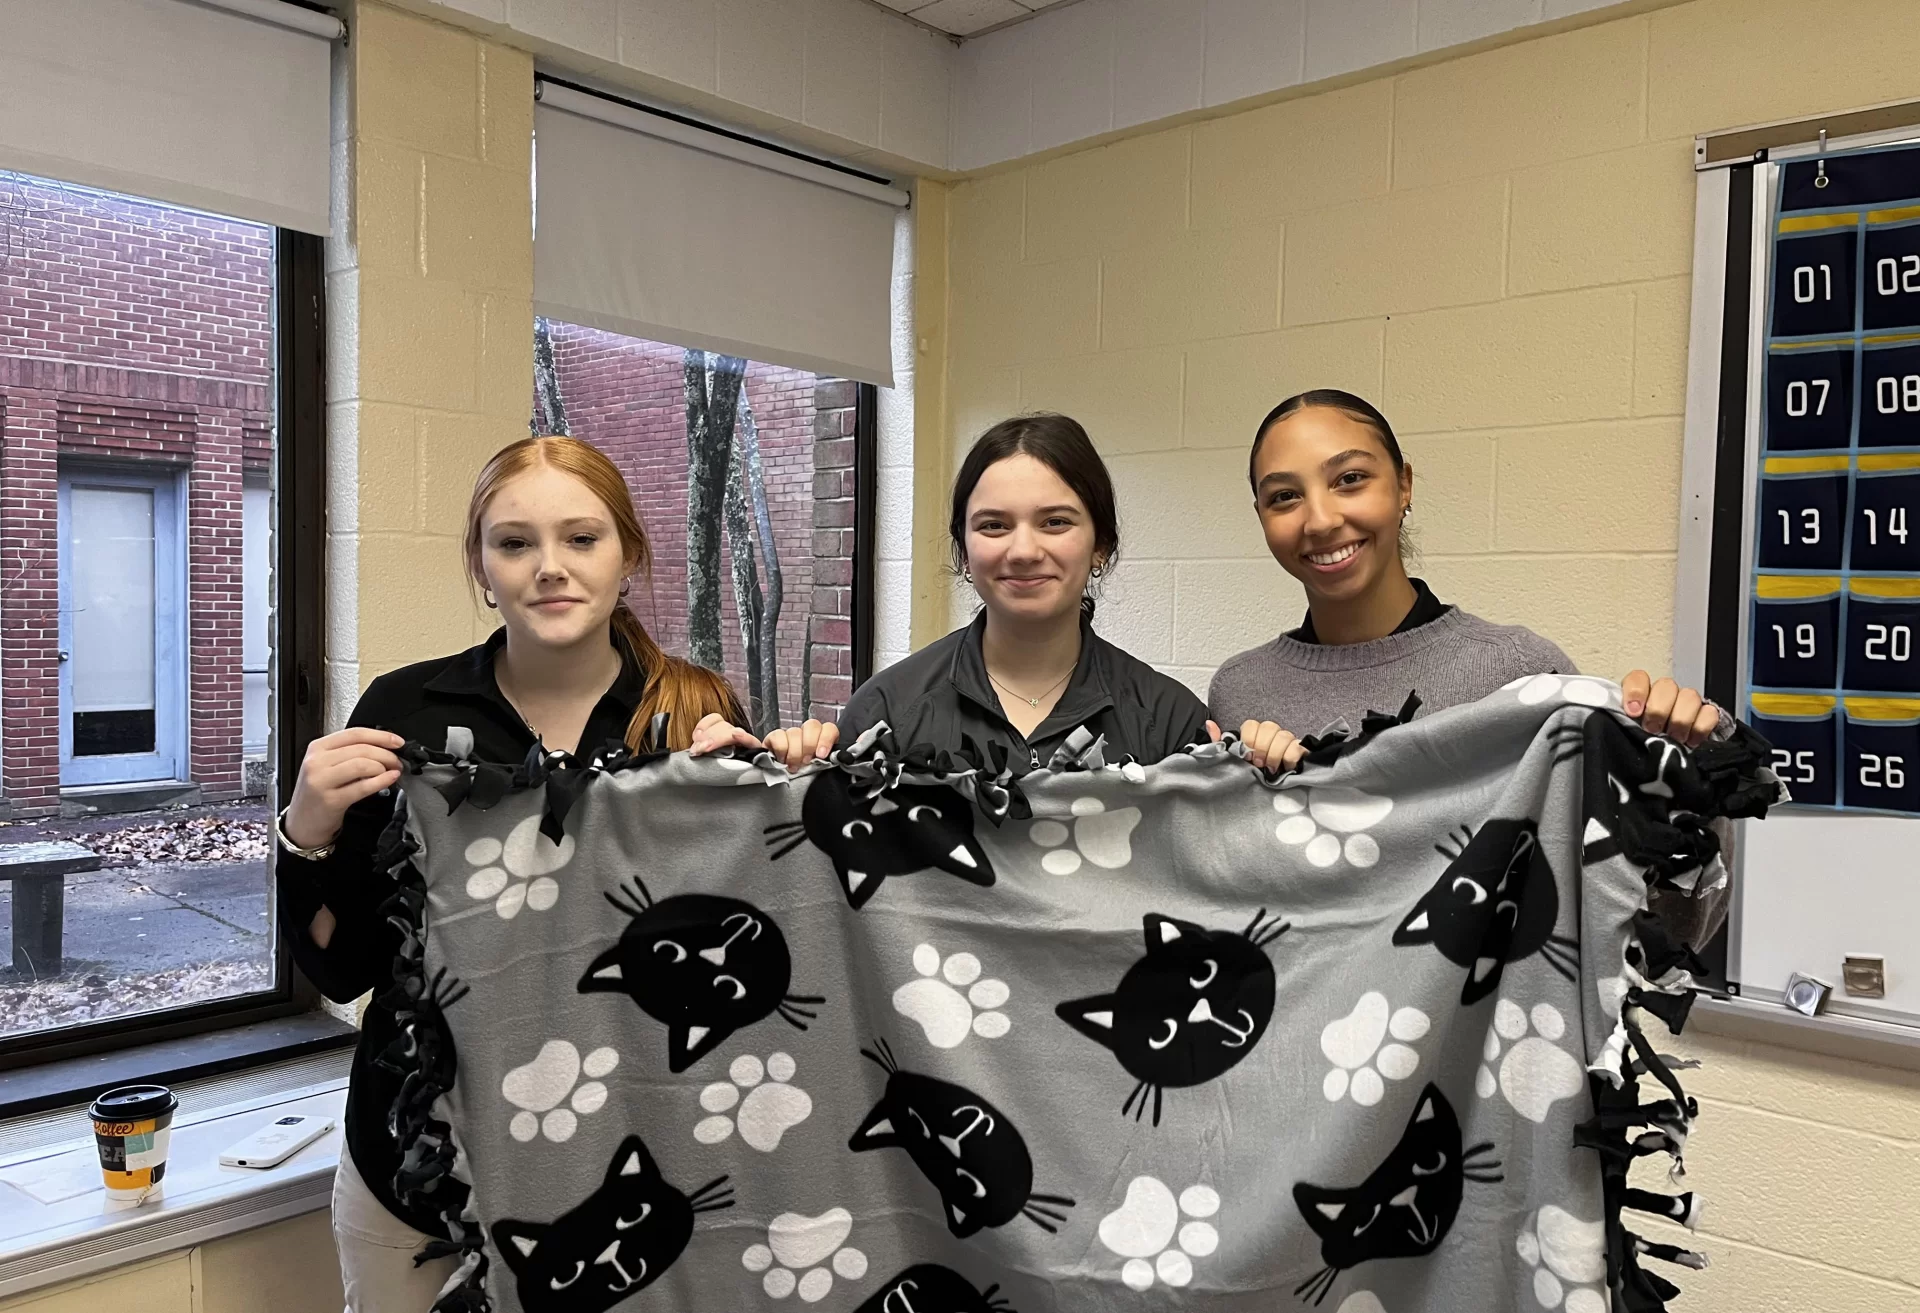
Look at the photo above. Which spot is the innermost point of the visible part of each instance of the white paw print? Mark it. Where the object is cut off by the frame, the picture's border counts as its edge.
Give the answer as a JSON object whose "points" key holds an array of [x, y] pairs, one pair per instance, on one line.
{"points": [[943, 1012], [1563, 1251], [1142, 1231], [767, 1112], [539, 1087], [517, 873], [811, 1243], [1326, 814], [1535, 1072], [1352, 1045], [1102, 837], [1535, 689]]}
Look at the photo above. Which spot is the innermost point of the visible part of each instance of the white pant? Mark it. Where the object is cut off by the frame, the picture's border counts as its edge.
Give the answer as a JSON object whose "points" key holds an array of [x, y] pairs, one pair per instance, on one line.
{"points": [[376, 1252]]}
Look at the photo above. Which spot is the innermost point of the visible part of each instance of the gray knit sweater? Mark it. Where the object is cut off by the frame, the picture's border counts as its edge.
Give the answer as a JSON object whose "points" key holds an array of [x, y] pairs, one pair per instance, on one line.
{"points": [[1304, 687], [1453, 659]]}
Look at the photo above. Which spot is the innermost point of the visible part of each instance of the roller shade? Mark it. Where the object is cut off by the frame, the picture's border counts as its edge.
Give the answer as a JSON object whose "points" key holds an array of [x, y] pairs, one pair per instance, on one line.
{"points": [[659, 229], [217, 105]]}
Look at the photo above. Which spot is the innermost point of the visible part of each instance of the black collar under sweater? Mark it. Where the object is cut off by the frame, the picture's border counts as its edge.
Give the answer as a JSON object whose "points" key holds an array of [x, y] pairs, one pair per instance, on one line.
{"points": [[1426, 609]]}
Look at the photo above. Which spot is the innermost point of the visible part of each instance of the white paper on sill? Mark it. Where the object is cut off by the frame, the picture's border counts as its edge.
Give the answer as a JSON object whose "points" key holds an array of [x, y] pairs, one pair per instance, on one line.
{"points": [[50, 1180]]}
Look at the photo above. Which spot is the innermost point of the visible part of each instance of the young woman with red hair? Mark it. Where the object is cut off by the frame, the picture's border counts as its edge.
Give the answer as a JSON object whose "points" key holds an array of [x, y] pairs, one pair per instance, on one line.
{"points": [[552, 539]]}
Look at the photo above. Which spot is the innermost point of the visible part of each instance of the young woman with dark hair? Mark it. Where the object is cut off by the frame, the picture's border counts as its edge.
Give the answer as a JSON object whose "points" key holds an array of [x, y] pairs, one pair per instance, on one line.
{"points": [[552, 538], [1332, 489], [1033, 528]]}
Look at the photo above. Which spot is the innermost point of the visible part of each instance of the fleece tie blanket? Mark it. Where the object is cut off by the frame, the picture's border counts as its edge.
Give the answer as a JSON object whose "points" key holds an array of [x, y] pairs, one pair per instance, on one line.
{"points": [[903, 1034]]}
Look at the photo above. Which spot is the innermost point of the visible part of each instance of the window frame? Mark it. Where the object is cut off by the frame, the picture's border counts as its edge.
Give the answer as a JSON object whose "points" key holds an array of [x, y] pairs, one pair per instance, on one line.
{"points": [[866, 464], [295, 666]]}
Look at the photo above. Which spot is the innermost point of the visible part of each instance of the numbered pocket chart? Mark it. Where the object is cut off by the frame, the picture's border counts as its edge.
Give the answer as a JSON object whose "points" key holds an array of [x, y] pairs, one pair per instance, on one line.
{"points": [[1833, 671]]}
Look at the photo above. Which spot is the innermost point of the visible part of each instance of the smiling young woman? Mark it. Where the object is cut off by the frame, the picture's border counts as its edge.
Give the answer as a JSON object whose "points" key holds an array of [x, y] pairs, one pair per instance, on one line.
{"points": [[1032, 527], [552, 539], [1332, 490]]}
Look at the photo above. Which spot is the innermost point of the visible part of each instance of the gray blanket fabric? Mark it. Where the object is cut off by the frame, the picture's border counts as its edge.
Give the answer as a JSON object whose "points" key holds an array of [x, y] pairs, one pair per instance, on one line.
{"points": [[901, 1034]]}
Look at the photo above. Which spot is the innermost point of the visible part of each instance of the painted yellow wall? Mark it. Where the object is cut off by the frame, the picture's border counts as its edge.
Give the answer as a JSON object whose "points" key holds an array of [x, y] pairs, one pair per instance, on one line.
{"points": [[1497, 250], [287, 1267], [430, 291]]}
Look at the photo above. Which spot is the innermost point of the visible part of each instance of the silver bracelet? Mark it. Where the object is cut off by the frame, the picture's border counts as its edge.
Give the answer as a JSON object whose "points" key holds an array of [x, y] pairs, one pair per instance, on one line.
{"points": [[313, 854]]}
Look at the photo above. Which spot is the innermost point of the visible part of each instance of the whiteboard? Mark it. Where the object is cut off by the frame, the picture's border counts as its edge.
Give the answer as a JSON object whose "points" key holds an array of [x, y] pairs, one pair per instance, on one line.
{"points": [[1799, 576]]}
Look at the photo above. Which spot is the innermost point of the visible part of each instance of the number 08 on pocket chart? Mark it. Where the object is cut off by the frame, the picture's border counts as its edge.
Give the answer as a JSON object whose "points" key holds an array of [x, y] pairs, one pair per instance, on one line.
{"points": [[1833, 668]]}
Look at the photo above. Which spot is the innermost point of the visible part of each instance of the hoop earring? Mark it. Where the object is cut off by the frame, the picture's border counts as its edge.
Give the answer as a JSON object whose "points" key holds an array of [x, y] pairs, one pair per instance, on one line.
{"points": [[626, 586], [1097, 570], [486, 595]]}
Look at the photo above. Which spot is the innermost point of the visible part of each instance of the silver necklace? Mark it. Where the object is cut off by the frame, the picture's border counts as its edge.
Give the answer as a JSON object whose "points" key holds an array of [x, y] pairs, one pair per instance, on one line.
{"points": [[1034, 701]]}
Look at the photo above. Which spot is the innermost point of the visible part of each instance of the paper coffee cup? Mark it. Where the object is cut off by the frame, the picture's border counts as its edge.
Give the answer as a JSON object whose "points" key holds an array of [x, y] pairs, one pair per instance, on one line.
{"points": [[131, 1127]]}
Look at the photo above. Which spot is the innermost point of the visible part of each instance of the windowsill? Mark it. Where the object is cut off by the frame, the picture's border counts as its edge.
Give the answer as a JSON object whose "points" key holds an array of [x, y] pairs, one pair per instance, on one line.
{"points": [[55, 1225], [67, 1081]]}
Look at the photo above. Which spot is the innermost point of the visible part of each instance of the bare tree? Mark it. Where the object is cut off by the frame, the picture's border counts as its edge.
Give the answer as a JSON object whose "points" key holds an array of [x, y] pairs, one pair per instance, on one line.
{"points": [[759, 610], [549, 412], [712, 383]]}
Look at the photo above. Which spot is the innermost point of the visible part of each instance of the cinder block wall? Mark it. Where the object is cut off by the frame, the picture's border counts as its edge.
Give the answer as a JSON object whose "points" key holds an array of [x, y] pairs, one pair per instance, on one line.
{"points": [[1496, 249], [430, 299]]}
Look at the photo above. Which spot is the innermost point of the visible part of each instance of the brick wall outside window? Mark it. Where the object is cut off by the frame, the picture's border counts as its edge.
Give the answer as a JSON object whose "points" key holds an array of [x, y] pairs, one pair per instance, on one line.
{"points": [[627, 397], [136, 335]]}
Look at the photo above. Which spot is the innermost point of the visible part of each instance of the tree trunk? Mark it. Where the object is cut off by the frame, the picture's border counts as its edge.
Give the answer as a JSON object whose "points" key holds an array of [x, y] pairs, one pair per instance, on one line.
{"points": [[549, 411], [767, 659], [746, 590], [712, 386]]}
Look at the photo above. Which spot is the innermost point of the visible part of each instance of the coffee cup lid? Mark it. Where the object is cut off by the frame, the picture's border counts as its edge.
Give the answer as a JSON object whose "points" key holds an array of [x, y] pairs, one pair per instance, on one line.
{"points": [[132, 1103]]}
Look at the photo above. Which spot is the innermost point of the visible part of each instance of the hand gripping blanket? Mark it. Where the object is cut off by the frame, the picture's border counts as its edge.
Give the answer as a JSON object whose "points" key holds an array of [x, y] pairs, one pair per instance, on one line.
{"points": [[901, 1034]]}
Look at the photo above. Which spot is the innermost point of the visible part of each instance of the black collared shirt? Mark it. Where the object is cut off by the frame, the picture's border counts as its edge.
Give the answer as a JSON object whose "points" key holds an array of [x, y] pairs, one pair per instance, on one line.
{"points": [[1426, 608], [941, 696], [416, 702]]}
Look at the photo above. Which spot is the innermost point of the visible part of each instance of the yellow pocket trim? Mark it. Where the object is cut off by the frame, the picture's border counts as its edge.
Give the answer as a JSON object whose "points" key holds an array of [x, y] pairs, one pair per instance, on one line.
{"points": [[1804, 464], [1793, 704], [1796, 585], [1905, 460], [1883, 708], [1813, 223], [1884, 587]]}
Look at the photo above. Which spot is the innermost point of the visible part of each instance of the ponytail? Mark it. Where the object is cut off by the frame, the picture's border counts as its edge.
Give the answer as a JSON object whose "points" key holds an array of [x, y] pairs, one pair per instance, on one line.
{"points": [[680, 689]]}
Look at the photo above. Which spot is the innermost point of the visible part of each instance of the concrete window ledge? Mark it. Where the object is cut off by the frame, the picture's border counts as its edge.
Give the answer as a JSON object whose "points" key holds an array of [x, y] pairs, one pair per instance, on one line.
{"points": [[54, 1222]]}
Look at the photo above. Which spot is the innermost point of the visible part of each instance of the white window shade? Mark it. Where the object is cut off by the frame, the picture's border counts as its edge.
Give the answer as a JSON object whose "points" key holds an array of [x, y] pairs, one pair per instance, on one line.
{"points": [[216, 105], [658, 229]]}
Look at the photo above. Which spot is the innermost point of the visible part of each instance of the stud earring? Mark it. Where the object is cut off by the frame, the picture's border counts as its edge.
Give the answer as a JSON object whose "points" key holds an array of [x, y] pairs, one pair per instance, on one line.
{"points": [[1406, 510], [486, 595]]}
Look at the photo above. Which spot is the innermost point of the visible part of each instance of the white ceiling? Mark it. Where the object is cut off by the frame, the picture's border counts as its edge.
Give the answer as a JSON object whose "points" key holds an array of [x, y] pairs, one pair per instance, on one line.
{"points": [[970, 17]]}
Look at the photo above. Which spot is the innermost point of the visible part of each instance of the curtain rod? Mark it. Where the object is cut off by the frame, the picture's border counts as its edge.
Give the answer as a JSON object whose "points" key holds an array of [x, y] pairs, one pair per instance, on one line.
{"points": [[324, 26]]}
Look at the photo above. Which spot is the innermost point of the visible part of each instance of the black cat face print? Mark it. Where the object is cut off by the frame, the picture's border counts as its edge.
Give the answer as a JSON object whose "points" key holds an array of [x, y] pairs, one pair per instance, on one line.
{"points": [[617, 1241], [1188, 1011], [930, 1288], [873, 835], [702, 965], [1406, 1207], [963, 1145], [1496, 902]]}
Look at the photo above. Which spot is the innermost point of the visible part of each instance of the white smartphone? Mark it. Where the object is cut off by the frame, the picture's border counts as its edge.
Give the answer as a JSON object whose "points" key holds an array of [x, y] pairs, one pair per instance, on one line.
{"points": [[276, 1142]]}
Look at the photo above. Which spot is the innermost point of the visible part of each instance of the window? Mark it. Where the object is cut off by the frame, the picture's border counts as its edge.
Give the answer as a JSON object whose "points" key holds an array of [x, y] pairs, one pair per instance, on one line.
{"points": [[157, 518], [747, 478]]}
